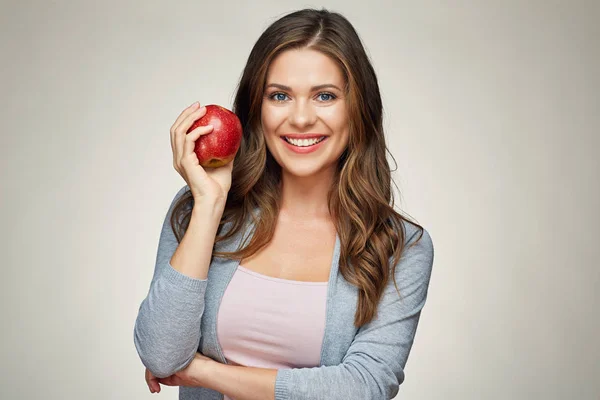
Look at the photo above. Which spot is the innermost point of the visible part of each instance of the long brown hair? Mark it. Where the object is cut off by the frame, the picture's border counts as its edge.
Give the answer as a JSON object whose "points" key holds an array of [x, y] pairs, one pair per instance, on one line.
{"points": [[361, 201]]}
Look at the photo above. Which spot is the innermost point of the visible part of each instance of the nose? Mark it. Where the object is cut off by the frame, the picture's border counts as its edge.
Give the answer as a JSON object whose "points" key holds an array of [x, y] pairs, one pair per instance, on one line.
{"points": [[303, 114]]}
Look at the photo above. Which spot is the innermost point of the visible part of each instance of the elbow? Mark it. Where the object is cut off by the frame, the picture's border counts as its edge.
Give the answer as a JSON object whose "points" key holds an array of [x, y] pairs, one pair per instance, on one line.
{"points": [[162, 369], [159, 362], [151, 357], [378, 382]]}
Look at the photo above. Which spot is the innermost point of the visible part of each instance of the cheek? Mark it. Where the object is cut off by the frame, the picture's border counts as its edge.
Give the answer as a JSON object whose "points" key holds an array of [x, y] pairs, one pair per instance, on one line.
{"points": [[336, 118], [268, 127], [272, 117]]}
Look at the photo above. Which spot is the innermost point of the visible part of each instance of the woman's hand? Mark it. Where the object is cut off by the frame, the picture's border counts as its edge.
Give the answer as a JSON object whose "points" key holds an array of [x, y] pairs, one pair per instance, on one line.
{"points": [[205, 184], [190, 376]]}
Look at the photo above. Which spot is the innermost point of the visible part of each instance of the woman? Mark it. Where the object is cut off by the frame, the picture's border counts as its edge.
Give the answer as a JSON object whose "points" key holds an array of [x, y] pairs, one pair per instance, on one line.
{"points": [[288, 274]]}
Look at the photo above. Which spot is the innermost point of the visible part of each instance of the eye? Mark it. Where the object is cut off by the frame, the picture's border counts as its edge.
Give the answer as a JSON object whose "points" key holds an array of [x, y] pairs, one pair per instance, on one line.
{"points": [[325, 96], [278, 96]]}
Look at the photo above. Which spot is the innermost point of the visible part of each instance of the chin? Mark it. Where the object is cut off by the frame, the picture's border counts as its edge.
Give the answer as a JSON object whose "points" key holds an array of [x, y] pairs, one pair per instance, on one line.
{"points": [[305, 171], [300, 173]]}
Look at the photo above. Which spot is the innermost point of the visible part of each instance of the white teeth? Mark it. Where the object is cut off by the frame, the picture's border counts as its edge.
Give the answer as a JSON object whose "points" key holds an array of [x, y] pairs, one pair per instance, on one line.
{"points": [[303, 142]]}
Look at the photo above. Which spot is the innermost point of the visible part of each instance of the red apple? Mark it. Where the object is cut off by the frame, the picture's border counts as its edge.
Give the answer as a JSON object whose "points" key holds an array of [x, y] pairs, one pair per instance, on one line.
{"points": [[218, 147]]}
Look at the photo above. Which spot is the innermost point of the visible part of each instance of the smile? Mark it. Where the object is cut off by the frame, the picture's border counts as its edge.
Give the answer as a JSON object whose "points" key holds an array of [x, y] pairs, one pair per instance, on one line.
{"points": [[304, 146], [303, 142]]}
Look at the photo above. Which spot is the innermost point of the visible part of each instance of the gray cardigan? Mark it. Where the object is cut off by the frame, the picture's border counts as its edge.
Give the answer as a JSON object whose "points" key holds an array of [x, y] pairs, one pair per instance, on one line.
{"points": [[178, 318]]}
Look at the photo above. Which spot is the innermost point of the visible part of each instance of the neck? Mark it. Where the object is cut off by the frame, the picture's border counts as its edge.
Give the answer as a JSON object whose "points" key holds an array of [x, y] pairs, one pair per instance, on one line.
{"points": [[306, 197]]}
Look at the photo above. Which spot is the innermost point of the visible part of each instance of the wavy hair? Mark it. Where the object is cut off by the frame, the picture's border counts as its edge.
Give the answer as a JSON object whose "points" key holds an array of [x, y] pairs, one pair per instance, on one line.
{"points": [[360, 201]]}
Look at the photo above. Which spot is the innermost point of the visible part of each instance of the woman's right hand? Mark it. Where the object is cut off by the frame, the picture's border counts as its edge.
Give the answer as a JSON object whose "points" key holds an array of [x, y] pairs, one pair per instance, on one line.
{"points": [[211, 184]]}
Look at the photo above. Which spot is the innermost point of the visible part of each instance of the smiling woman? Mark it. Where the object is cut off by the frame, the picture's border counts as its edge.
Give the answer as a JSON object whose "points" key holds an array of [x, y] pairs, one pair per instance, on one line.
{"points": [[304, 282]]}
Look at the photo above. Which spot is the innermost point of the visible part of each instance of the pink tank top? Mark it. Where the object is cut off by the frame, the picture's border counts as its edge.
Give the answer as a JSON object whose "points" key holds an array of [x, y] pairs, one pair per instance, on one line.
{"points": [[269, 322]]}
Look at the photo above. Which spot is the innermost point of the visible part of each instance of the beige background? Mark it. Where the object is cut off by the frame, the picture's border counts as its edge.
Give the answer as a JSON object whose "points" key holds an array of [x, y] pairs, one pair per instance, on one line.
{"points": [[492, 113]]}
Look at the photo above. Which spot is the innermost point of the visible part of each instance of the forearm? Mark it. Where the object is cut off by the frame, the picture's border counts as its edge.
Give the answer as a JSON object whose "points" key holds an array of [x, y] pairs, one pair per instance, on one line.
{"points": [[238, 382], [167, 329], [192, 256]]}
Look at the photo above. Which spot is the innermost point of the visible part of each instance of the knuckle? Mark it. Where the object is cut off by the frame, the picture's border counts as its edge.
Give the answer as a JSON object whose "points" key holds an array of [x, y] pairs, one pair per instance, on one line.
{"points": [[192, 136]]}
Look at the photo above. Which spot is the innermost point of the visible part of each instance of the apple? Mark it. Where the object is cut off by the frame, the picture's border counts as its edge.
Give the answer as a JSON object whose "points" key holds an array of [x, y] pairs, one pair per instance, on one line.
{"points": [[218, 147]]}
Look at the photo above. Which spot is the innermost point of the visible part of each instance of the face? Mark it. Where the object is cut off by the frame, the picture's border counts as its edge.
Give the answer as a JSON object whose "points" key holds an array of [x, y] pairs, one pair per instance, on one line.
{"points": [[304, 114]]}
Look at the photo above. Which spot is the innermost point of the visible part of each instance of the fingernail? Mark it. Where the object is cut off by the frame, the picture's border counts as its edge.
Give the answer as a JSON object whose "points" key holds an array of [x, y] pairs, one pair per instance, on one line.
{"points": [[194, 104]]}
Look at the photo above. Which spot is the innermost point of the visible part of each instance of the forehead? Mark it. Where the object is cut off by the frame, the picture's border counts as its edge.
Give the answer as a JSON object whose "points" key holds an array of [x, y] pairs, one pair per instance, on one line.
{"points": [[304, 68]]}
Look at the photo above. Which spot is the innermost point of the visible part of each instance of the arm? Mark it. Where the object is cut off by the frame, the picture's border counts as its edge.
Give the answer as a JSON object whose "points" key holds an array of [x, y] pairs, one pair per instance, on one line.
{"points": [[167, 328], [373, 367], [238, 382]]}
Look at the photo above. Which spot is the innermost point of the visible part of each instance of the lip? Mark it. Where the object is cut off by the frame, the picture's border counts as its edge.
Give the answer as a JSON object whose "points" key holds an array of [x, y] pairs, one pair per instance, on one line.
{"points": [[303, 135], [304, 150]]}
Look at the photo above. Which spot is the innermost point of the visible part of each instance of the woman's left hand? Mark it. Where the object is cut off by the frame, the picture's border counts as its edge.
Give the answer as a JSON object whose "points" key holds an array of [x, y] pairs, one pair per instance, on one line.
{"points": [[189, 376]]}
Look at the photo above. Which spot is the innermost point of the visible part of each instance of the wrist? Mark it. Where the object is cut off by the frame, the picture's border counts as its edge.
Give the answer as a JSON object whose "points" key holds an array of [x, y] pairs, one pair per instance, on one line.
{"points": [[204, 373], [208, 208]]}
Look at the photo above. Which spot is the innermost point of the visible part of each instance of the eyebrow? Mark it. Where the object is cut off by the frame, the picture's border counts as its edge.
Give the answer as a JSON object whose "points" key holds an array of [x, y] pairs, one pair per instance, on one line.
{"points": [[312, 89]]}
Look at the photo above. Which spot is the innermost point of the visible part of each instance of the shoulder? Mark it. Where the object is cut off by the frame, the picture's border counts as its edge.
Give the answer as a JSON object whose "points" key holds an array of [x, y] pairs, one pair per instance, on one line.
{"points": [[181, 192], [414, 234], [178, 196], [417, 254]]}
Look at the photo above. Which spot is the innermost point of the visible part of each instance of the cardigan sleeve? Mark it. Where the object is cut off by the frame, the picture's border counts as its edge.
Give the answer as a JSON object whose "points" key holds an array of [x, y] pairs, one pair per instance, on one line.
{"points": [[167, 327], [373, 367]]}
